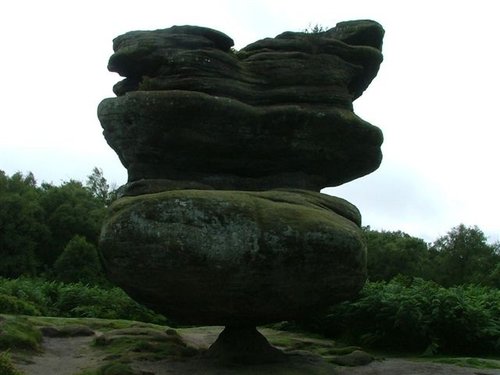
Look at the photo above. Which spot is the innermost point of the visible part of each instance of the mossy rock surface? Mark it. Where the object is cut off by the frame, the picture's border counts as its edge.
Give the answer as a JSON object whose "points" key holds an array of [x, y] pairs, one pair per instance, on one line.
{"points": [[227, 257]]}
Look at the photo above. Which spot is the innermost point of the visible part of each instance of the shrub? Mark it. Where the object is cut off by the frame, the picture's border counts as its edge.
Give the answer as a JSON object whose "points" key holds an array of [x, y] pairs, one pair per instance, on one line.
{"points": [[13, 305], [77, 300], [26, 290], [417, 315], [39, 297]]}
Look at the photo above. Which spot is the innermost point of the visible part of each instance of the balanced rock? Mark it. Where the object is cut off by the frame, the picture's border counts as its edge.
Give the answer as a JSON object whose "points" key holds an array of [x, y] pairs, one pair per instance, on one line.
{"points": [[277, 114], [233, 258], [221, 221]]}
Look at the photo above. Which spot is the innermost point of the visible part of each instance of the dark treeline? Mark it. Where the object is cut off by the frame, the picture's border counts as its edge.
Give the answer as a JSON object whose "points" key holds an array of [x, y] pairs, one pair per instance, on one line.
{"points": [[462, 256], [52, 231]]}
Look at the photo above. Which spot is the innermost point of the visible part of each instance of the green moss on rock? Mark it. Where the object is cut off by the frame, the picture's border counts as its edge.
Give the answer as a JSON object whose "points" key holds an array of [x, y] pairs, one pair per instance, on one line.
{"points": [[219, 257]]}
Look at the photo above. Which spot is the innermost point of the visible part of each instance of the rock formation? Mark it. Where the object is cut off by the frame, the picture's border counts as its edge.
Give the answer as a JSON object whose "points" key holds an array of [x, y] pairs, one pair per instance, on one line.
{"points": [[277, 113], [221, 221]]}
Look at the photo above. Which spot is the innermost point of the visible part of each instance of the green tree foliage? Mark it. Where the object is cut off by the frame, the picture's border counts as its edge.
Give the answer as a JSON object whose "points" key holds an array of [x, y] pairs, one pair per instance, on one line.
{"points": [[99, 188], [463, 256], [70, 209], [494, 276], [37, 222], [79, 262], [394, 253], [22, 227]]}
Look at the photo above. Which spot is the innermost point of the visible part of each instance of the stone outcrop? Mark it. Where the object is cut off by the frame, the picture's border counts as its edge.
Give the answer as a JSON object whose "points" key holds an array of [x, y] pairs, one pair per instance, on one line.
{"points": [[276, 114], [225, 257], [221, 221]]}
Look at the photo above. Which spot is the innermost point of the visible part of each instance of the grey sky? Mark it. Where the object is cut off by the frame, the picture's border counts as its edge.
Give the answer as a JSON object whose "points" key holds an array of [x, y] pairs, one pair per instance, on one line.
{"points": [[435, 97]]}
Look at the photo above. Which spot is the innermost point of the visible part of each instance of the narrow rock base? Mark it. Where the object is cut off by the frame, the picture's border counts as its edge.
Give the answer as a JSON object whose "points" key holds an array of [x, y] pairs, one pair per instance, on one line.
{"points": [[243, 345]]}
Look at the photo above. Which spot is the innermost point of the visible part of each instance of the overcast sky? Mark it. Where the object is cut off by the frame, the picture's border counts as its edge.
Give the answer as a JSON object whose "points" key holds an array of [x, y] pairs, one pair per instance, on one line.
{"points": [[435, 97]]}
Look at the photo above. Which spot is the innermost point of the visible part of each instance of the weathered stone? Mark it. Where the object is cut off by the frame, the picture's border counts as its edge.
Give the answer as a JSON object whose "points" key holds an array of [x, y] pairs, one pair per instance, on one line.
{"points": [[226, 144], [331, 67], [277, 114], [356, 358], [196, 121], [245, 345], [66, 331], [234, 258], [141, 54]]}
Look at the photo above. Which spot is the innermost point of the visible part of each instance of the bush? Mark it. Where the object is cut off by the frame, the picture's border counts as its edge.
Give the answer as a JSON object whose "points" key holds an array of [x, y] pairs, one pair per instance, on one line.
{"points": [[73, 300], [417, 315], [77, 300], [6, 366], [13, 305], [27, 290]]}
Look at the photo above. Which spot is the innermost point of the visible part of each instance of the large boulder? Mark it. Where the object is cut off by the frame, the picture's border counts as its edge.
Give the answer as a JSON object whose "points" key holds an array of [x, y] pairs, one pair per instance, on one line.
{"points": [[234, 257], [276, 114], [226, 144]]}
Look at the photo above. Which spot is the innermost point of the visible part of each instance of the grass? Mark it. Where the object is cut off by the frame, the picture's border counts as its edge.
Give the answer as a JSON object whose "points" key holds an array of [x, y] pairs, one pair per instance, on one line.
{"points": [[316, 344], [95, 324], [17, 332], [142, 343], [479, 363], [110, 369], [290, 340], [6, 365]]}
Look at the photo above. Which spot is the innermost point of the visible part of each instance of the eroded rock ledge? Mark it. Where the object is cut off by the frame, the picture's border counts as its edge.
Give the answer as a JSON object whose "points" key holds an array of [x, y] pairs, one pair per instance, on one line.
{"points": [[331, 68], [277, 113]]}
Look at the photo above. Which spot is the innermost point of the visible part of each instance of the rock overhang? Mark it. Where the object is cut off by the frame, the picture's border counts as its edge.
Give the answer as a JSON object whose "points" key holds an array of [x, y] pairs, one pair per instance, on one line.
{"points": [[278, 113]]}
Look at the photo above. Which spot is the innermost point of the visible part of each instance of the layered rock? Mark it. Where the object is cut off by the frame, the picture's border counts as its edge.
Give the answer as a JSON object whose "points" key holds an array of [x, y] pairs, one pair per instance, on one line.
{"points": [[225, 144], [221, 222], [276, 114], [330, 68]]}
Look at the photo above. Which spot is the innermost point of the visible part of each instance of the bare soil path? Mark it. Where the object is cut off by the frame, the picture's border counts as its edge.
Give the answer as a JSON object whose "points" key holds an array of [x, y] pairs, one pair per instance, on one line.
{"points": [[63, 356]]}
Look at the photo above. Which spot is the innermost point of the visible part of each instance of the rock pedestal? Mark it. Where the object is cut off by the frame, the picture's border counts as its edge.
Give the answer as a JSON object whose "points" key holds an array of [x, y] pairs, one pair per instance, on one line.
{"points": [[221, 221]]}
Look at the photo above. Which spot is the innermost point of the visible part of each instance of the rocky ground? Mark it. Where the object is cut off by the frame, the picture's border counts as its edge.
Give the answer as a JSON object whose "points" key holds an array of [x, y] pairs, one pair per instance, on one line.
{"points": [[81, 347]]}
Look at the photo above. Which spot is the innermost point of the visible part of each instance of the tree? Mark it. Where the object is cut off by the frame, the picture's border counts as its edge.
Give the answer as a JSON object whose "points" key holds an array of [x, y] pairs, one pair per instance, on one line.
{"points": [[79, 262], [70, 210], [463, 256], [22, 228], [99, 187], [36, 222], [393, 253]]}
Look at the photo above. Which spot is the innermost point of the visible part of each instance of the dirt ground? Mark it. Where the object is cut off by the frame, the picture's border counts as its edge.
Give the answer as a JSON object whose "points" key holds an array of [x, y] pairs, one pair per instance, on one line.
{"points": [[69, 356], [63, 356]]}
